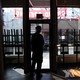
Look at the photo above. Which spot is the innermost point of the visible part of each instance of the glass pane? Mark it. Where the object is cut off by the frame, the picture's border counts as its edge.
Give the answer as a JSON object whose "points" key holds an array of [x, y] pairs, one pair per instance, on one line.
{"points": [[39, 13], [68, 33], [45, 33], [13, 33], [68, 25], [12, 18]]}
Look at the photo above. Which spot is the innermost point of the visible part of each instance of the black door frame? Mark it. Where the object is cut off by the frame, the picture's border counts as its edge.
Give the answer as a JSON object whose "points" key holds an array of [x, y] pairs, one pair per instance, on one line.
{"points": [[42, 22], [53, 36]]}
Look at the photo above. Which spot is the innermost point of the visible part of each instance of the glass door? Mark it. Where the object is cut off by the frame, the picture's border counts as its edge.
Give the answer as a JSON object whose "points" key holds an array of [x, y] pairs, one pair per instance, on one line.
{"points": [[45, 34]]}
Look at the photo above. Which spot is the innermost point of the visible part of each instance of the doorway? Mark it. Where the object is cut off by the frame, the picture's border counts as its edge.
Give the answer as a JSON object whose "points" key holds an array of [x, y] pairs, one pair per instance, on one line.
{"points": [[45, 33]]}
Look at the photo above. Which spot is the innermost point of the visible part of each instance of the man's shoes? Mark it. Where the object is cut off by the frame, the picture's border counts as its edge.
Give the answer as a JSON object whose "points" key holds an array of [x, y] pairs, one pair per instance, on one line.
{"points": [[38, 75]]}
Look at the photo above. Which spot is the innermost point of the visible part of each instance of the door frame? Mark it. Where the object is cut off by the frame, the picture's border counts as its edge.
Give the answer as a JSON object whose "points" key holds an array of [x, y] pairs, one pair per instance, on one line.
{"points": [[42, 22]]}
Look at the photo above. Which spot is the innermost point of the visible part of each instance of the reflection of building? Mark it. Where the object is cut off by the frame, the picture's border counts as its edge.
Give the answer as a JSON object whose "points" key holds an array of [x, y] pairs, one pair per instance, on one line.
{"points": [[68, 24], [66, 29]]}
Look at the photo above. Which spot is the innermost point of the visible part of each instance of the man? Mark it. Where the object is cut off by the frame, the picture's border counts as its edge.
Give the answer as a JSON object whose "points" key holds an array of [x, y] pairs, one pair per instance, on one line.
{"points": [[37, 48]]}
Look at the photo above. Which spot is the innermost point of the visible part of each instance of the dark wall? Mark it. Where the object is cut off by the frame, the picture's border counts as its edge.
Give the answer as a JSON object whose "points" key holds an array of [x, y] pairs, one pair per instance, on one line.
{"points": [[68, 2], [19, 3], [13, 3]]}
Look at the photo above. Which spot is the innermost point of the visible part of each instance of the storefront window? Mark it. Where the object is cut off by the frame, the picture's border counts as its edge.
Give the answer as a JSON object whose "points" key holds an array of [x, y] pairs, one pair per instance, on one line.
{"points": [[13, 31], [68, 31]]}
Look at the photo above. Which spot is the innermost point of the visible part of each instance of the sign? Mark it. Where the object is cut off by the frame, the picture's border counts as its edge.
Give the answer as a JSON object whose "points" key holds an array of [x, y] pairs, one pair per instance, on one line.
{"points": [[63, 13], [32, 13]]}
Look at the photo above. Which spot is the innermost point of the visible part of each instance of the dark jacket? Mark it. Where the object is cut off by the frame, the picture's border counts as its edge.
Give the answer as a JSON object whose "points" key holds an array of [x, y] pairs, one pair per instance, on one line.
{"points": [[37, 45]]}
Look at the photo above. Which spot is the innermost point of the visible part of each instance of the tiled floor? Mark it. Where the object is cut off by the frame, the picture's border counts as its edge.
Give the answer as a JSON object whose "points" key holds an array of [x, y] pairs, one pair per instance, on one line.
{"points": [[18, 74], [12, 73]]}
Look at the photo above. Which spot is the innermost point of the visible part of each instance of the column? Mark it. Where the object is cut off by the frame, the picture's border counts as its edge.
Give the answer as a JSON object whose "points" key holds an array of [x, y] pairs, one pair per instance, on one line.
{"points": [[1, 48], [53, 36], [26, 33]]}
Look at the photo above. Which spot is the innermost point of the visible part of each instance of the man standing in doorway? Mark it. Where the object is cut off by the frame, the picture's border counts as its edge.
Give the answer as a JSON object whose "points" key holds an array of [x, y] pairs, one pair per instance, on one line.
{"points": [[37, 48]]}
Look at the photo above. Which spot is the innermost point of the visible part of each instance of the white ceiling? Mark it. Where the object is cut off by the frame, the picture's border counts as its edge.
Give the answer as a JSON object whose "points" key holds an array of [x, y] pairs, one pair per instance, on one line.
{"points": [[40, 3]]}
